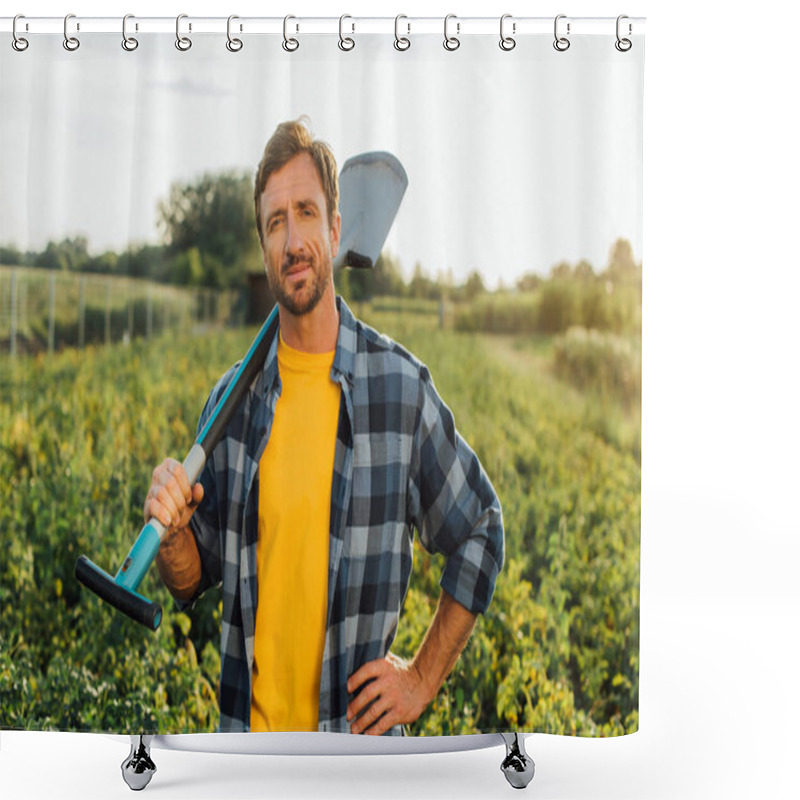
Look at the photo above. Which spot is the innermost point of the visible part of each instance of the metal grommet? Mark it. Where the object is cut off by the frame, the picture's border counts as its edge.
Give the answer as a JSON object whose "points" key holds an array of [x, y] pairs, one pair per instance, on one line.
{"points": [[70, 42], [345, 42], [128, 42], [623, 45], [18, 42], [183, 43], [451, 42], [234, 45], [506, 42], [561, 43], [401, 42], [289, 45]]}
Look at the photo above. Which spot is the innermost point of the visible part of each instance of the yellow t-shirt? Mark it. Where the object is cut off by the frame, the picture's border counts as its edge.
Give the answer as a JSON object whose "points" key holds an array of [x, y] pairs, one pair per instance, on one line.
{"points": [[294, 500]]}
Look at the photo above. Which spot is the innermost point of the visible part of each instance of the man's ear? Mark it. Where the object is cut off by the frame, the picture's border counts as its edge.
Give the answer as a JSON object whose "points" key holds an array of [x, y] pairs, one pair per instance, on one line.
{"points": [[335, 232]]}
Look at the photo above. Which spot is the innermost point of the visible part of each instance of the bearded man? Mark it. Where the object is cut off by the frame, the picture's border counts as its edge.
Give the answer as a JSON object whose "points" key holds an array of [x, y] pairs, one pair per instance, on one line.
{"points": [[305, 513]]}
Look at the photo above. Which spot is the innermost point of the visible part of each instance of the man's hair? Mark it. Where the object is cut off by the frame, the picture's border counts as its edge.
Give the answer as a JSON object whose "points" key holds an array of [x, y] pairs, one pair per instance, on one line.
{"points": [[289, 140]]}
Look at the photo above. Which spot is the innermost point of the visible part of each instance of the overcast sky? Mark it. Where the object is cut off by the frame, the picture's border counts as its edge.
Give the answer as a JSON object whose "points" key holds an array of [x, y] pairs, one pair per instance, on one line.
{"points": [[515, 160]]}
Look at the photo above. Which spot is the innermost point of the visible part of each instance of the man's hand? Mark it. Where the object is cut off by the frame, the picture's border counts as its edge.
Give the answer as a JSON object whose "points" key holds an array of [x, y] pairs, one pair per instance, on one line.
{"points": [[396, 691], [401, 690], [171, 500]]}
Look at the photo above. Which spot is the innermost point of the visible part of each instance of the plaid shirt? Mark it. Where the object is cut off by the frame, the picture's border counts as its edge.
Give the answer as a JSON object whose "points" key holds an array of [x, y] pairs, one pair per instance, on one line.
{"points": [[399, 465]]}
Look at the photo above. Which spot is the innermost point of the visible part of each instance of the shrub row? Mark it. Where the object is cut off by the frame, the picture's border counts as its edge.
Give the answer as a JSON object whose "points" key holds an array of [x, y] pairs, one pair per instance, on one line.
{"points": [[554, 307]]}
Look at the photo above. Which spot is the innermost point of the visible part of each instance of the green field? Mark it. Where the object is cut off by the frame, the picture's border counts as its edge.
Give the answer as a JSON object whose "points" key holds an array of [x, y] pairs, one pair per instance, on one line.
{"points": [[80, 433]]}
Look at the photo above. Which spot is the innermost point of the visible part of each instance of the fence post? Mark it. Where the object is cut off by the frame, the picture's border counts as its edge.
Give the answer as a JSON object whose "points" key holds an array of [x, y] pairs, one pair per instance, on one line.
{"points": [[149, 310], [13, 313], [82, 313], [51, 323], [130, 308], [108, 311], [23, 310]]}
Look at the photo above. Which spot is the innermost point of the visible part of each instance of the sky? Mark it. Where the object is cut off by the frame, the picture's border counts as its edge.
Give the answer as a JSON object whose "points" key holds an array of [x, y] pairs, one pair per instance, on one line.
{"points": [[516, 161]]}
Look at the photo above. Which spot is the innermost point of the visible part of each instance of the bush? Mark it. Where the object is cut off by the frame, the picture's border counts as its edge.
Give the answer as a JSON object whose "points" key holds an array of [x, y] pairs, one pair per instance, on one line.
{"points": [[511, 314], [607, 364], [556, 305], [559, 306]]}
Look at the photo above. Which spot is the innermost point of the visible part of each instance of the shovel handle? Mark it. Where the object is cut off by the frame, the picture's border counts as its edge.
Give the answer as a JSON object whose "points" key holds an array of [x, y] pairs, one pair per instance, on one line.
{"points": [[249, 367], [120, 591]]}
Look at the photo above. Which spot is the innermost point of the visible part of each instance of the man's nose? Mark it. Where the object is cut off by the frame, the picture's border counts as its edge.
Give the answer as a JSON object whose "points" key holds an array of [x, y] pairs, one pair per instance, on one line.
{"points": [[294, 240]]}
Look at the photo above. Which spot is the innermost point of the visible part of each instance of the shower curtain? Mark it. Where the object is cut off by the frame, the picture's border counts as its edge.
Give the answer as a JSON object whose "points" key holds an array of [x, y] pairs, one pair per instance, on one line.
{"points": [[132, 277]]}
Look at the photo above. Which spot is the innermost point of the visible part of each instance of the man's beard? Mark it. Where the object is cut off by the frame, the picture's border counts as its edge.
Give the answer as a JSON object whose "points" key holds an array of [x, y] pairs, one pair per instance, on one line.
{"points": [[291, 302]]}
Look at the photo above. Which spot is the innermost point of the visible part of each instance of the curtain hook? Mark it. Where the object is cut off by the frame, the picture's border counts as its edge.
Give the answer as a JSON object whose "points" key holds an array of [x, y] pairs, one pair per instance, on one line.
{"points": [[507, 42], [623, 45], [345, 42], [451, 42], [234, 45], [18, 42], [70, 42], [289, 45], [129, 43], [401, 42], [561, 43], [182, 42]]}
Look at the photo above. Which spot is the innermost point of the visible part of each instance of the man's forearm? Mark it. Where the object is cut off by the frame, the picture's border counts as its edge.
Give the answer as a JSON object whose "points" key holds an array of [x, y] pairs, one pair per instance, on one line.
{"points": [[444, 641], [178, 562]]}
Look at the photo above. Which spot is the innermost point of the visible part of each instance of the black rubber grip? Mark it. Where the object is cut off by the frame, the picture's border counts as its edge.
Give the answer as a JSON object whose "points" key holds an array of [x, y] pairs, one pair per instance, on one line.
{"points": [[104, 586]]}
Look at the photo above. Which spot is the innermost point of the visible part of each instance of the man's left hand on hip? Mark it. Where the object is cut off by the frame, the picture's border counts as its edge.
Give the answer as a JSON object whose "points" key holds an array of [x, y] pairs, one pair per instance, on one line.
{"points": [[393, 692]]}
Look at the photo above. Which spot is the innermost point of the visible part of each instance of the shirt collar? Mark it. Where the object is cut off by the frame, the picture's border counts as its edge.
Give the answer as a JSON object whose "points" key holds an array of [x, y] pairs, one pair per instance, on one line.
{"points": [[344, 360]]}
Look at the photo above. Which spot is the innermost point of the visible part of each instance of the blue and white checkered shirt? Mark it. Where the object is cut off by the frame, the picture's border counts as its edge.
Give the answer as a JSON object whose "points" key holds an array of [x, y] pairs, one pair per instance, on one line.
{"points": [[399, 465]]}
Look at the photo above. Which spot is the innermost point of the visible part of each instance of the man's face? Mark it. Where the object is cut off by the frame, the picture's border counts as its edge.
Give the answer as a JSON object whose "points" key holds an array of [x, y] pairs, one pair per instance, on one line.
{"points": [[299, 245]]}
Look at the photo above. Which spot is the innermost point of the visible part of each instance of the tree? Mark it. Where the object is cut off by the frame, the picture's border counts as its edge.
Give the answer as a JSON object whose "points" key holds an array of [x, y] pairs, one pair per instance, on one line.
{"points": [[583, 270], [388, 277], [144, 261], [422, 287], [620, 258], [10, 254], [68, 254], [529, 282], [355, 285], [105, 263], [474, 285], [215, 215], [561, 270]]}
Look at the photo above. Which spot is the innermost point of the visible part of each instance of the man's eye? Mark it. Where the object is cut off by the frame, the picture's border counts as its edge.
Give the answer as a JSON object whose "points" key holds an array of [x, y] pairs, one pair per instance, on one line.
{"points": [[275, 222]]}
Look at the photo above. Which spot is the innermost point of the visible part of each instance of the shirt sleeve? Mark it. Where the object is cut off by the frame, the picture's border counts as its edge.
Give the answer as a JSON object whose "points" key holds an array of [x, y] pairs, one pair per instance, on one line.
{"points": [[206, 522], [453, 504]]}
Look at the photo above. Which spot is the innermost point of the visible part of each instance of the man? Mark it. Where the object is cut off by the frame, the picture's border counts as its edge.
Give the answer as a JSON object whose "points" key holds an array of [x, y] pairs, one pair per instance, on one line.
{"points": [[305, 513]]}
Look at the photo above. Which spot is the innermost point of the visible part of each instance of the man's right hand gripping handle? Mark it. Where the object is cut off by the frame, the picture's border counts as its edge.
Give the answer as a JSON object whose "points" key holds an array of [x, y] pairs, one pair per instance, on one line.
{"points": [[172, 502]]}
